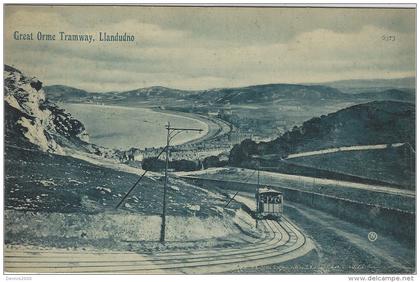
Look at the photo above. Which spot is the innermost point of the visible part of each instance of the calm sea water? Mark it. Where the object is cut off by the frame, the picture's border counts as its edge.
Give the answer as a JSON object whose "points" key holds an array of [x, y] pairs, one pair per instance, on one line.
{"points": [[124, 127]]}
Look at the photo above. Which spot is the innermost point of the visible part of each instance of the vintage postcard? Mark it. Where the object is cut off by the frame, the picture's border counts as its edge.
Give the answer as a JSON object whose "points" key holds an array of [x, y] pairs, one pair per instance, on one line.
{"points": [[205, 139]]}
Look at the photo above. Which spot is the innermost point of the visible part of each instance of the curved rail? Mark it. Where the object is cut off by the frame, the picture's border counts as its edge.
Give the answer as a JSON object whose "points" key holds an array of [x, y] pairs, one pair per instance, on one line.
{"points": [[281, 241]]}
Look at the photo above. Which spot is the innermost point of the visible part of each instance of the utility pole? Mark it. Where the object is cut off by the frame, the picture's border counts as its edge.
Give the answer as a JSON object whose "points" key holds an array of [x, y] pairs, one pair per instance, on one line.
{"points": [[258, 177], [163, 227], [257, 198], [169, 137]]}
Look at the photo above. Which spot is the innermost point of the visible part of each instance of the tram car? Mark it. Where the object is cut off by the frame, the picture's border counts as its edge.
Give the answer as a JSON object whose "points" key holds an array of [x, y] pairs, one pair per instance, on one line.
{"points": [[269, 203]]}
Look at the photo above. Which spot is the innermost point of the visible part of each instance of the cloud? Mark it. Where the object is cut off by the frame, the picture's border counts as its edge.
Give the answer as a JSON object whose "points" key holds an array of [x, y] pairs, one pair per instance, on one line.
{"points": [[317, 45]]}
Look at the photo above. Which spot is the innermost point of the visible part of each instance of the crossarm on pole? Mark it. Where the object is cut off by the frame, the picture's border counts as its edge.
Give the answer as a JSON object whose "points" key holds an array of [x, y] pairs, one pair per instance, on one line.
{"points": [[137, 182]]}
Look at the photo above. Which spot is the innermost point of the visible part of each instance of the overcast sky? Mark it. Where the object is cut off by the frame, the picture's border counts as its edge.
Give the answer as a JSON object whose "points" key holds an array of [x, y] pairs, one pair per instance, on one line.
{"points": [[201, 48]]}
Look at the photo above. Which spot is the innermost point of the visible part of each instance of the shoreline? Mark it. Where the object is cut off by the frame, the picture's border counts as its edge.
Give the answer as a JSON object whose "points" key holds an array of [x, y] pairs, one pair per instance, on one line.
{"points": [[211, 132], [207, 124]]}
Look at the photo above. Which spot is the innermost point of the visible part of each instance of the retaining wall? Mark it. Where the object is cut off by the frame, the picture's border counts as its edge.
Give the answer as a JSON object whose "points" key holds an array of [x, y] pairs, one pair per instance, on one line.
{"points": [[382, 220]]}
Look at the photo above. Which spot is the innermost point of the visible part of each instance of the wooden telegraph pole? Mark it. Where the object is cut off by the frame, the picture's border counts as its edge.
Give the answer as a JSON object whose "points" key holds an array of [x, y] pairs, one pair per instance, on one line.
{"points": [[169, 137], [163, 227], [257, 198]]}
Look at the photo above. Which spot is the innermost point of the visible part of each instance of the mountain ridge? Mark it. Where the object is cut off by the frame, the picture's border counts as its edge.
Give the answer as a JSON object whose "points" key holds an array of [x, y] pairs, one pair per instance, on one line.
{"points": [[239, 95]]}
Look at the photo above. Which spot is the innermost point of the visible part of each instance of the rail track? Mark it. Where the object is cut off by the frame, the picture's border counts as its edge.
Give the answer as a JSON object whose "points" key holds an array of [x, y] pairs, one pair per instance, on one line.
{"points": [[281, 241]]}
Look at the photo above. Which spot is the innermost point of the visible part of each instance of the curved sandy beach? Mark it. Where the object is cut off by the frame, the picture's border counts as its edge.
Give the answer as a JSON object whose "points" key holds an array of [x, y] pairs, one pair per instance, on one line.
{"points": [[126, 127]]}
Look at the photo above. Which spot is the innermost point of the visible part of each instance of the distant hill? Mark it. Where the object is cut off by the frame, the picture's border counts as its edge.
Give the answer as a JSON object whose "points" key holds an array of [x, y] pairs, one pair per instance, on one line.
{"points": [[74, 95], [272, 92], [66, 93], [379, 122], [257, 94], [369, 85], [156, 91], [408, 95]]}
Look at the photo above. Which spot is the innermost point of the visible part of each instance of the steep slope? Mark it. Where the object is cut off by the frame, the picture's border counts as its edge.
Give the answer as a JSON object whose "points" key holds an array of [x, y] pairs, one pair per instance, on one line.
{"points": [[32, 121]]}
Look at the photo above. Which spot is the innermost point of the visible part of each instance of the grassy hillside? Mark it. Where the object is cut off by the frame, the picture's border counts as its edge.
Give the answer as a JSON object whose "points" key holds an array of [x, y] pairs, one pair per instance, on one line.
{"points": [[42, 182], [392, 165], [382, 122]]}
